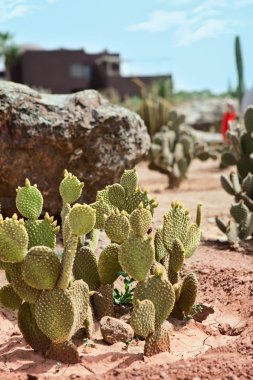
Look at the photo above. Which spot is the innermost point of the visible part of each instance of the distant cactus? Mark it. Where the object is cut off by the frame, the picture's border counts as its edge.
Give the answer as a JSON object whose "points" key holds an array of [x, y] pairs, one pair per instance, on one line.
{"points": [[240, 149], [239, 66], [239, 184], [173, 148]]}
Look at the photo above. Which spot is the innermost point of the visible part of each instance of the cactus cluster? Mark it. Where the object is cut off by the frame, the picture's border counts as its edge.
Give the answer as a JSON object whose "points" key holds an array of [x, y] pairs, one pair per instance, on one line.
{"points": [[173, 148], [240, 148], [56, 296], [239, 184]]}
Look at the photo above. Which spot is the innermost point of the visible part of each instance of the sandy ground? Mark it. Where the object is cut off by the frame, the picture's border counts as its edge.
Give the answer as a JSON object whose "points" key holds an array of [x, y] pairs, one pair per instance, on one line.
{"points": [[219, 347]]}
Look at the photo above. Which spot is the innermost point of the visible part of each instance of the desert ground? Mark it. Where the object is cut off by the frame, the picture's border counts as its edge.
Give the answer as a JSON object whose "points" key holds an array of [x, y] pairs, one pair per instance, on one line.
{"points": [[217, 344]]}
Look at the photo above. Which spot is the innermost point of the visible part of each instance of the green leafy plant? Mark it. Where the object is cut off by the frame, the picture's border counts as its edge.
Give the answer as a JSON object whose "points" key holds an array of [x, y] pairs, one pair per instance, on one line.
{"points": [[124, 297]]}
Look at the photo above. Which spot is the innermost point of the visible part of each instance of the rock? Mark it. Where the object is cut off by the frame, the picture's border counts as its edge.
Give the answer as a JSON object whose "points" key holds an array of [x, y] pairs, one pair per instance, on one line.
{"points": [[115, 330], [203, 114], [42, 134]]}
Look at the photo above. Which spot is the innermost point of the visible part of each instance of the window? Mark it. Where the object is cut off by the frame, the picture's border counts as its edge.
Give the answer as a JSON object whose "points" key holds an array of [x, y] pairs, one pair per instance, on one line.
{"points": [[80, 70]]}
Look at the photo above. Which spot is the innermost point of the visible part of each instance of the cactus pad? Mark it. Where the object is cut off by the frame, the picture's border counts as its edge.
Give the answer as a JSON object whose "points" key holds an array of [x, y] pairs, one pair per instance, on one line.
{"points": [[102, 209], [41, 268], [42, 232], [117, 226], [70, 188], [176, 223], [140, 220], [82, 219], [136, 256], [108, 264], [188, 293], [143, 318], [29, 201], [9, 298], [117, 195], [85, 267], [13, 240], [29, 328], [54, 313], [160, 250], [129, 180], [159, 291], [25, 292], [79, 295]]}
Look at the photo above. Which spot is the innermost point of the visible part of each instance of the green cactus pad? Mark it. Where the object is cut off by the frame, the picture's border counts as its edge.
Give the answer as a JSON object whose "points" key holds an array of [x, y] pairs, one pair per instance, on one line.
{"points": [[239, 212], [173, 276], [246, 227], [103, 302], [248, 119], [25, 292], [102, 209], [143, 318], [54, 313], [65, 352], [117, 195], [188, 293], [108, 264], [228, 159], [79, 295], [159, 341], [13, 240], [177, 256], [129, 180], [117, 226], [85, 267], [176, 224], [41, 268], [29, 328], [9, 298], [103, 195], [140, 220], [247, 185], [245, 166], [42, 232], [136, 198], [159, 291], [220, 224], [160, 250], [192, 239], [82, 219], [29, 201], [70, 188], [136, 256]]}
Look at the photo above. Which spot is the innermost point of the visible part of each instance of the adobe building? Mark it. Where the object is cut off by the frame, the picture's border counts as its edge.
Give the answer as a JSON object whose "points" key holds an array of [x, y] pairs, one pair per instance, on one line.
{"points": [[67, 71]]}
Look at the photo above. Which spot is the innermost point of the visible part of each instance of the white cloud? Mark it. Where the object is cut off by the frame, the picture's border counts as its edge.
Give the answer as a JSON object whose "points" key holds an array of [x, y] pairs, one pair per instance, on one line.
{"points": [[210, 29], [201, 21], [10, 9], [160, 21]]}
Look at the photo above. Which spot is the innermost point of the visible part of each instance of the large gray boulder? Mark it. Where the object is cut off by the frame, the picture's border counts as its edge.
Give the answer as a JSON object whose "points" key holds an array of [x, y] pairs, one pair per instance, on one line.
{"points": [[41, 135], [204, 114]]}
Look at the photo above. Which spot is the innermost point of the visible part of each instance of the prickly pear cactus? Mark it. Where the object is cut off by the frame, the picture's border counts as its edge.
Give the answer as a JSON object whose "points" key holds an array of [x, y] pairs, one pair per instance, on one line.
{"points": [[174, 147], [58, 295], [240, 184], [239, 151]]}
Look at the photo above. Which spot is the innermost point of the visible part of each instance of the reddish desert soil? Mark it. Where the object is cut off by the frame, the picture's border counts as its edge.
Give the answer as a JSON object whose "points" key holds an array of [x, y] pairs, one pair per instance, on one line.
{"points": [[219, 347]]}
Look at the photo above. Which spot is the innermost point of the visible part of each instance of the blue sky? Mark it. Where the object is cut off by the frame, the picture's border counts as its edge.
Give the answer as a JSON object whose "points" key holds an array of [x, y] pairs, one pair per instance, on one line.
{"points": [[192, 39]]}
